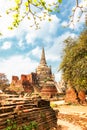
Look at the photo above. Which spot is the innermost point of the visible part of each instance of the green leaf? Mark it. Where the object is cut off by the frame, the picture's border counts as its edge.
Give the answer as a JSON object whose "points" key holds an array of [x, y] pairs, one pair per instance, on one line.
{"points": [[26, 4], [17, 1], [27, 9], [10, 28], [35, 1], [0, 34], [7, 12], [49, 19], [60, 1]]}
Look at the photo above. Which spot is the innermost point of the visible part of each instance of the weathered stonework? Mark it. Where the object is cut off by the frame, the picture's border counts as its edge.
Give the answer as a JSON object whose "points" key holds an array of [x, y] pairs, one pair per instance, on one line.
{"points": [[24, 84], [45, 78], [82, 96], [24, 111], [42, 80], [71, 96], [15, 78]]}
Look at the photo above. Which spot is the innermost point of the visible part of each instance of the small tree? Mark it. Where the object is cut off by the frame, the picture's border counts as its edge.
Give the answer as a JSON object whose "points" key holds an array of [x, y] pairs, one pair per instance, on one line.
{"points": [[4, 83], [74, 62]]}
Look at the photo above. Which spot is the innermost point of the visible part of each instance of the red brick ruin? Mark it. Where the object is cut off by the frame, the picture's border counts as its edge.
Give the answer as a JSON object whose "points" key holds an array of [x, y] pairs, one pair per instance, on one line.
{"points": [[41, 81]]}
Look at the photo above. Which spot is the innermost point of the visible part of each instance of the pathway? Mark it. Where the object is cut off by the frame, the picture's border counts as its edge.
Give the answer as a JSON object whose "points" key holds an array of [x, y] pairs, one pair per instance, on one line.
{"points": [[71, 117]]}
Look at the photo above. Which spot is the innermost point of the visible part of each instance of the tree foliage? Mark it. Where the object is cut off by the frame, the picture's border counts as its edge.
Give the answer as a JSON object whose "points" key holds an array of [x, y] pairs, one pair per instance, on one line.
{"points": [[74, 62], [39, 10], [31, 9], [4, 83]]}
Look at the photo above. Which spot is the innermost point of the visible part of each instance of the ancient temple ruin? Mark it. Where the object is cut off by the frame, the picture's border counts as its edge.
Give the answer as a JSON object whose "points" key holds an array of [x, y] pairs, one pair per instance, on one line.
{"points": [[43, 71], [41, 81], [20, 113], [45, 78]]}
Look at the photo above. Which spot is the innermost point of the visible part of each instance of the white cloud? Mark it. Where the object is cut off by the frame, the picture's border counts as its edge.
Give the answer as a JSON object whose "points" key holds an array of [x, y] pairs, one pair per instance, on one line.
{"points": [[36, 52], [17, 65], [64, 24], [50, 27], [6, 45], [30, 38], [55, 50], [47, 30], [77, 23], [84, 3], [51, 1], [32, 34], [6, 20], [21, 44]]}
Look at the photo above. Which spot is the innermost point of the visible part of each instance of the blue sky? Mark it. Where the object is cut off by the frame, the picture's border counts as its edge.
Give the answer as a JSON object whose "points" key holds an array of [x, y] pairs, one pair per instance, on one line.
{"points": [[20, 49]]}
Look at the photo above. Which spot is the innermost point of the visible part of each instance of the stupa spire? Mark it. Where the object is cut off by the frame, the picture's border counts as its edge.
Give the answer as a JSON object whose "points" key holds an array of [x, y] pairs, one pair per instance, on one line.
{"points": [[43, 59]]}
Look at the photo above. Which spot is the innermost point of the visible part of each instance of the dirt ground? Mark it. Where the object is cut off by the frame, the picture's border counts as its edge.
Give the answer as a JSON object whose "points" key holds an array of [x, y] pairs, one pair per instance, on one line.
{"points": [[71, 117]]}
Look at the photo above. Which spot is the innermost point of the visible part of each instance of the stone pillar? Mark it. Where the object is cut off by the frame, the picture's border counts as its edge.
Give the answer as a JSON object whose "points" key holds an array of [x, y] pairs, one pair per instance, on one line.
{"points": [[71, 96], [82, 96]]}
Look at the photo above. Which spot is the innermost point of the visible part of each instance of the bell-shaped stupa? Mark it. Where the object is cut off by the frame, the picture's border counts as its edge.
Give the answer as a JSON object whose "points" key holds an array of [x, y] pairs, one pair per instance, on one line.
{"points": [[45, 77]]}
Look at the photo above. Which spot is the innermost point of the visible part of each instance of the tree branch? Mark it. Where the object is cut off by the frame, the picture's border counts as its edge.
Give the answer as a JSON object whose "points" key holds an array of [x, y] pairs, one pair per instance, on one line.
{"points": [[76, 3]]}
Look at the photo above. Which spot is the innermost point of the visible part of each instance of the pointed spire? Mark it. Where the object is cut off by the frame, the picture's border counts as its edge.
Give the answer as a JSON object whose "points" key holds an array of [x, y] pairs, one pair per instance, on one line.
{"points": [[43, 60]]}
